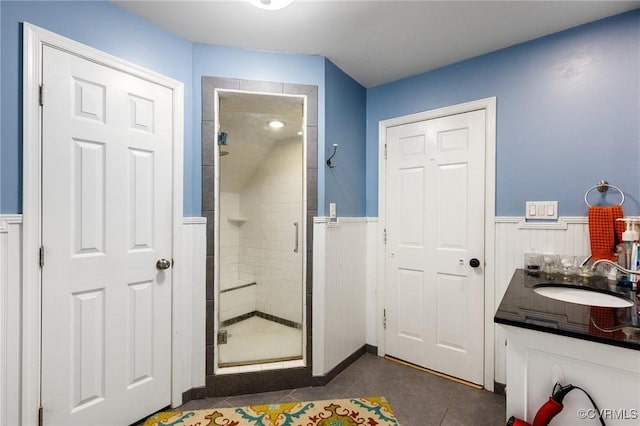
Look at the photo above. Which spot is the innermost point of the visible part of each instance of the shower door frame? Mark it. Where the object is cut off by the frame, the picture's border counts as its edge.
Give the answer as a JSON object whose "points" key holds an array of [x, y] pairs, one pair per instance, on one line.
{"points": [[255, 377]]}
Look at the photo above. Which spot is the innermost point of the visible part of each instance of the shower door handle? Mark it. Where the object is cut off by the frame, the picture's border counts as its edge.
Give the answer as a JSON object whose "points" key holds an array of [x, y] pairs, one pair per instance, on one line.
{"points": [[295, 247]]}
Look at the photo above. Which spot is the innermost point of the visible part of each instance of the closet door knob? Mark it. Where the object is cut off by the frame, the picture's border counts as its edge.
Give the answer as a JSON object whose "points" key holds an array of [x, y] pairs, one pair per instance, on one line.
{"points": [[163, 264], [474, 263]]}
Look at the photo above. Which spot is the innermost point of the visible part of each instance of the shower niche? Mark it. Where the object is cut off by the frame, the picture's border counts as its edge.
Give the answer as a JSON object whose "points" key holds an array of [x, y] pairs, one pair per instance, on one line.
{"points": [[261, 143]]}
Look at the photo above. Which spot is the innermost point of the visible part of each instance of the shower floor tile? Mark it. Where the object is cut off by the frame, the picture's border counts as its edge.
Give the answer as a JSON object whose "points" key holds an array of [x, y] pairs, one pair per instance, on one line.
{"points": [[258, 339]]}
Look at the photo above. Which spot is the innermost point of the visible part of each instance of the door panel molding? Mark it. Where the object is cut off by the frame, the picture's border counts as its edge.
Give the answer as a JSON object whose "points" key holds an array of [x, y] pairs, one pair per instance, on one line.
{"points": [[489, 105], [35, 38]]}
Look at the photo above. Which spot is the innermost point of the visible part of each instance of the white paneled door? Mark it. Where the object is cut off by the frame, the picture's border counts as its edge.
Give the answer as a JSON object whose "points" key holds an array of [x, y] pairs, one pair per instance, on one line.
{"points": [[435, 244], [106, 222]]}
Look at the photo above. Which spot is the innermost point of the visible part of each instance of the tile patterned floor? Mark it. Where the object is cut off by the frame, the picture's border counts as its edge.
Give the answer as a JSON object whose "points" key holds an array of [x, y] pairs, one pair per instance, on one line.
{"points": [[418, 398]]}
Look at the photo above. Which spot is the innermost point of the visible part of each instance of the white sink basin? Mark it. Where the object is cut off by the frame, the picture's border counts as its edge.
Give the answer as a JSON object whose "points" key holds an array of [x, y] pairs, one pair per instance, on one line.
{"points": [[583, 296]]}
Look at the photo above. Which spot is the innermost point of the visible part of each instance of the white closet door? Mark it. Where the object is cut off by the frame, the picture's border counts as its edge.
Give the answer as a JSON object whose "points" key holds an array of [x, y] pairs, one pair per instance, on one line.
{"points": [[435, 236], [107, 199]]}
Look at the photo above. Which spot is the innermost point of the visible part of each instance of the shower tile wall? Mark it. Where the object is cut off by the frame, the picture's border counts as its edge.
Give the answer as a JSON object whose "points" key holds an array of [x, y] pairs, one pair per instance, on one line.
{"points": [[272, 202], [240, 300], [229, 239]]}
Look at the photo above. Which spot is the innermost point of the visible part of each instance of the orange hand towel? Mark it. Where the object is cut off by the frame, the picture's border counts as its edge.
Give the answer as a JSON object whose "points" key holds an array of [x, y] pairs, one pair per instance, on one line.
{"points": [[605, 231]]}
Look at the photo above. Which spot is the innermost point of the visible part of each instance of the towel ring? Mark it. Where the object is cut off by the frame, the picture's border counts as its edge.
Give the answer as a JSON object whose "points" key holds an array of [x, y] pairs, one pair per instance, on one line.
{"points": [[603, 186]]}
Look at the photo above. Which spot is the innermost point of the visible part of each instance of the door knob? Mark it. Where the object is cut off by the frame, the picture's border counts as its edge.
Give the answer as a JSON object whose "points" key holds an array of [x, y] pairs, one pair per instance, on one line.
{"points": [[163, 264], [474, 263]]}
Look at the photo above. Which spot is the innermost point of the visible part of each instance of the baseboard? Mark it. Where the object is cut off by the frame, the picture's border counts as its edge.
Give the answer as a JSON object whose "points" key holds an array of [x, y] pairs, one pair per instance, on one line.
{"points": [[500, 388], [323, 380], [258, 381], [194, 393], [372, 349]]}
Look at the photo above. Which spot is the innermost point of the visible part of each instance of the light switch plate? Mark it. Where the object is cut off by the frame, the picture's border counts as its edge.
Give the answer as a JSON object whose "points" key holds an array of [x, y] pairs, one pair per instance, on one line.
{"points": [[544, 210], [332, 210]]}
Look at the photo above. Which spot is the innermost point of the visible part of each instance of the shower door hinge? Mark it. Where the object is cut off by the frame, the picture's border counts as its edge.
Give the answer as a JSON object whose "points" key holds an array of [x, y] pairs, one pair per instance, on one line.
{"points": [[222, 138], [384, 319], [40, 416], [41, 256], [41, 95], [222, 337]]}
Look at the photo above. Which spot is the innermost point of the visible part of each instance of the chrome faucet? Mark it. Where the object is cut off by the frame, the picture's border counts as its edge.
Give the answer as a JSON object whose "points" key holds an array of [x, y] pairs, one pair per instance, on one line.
{"points": [[614, 264]]}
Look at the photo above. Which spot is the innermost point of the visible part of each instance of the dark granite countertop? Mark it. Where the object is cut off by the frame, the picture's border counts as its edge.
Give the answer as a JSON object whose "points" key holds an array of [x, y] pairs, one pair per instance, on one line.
{"points": [[522, 307]]}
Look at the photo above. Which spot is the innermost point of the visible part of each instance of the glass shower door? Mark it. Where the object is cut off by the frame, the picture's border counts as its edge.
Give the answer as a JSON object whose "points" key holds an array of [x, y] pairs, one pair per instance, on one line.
{"points": [[261, 223]]}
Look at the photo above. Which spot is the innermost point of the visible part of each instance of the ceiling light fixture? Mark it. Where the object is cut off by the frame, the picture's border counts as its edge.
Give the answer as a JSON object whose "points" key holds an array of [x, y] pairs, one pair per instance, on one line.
{"points": [[276, 124], [271, 4]]}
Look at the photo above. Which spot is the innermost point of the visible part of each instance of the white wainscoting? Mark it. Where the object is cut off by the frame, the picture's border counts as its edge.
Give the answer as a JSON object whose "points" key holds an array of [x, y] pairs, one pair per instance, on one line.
{"points": [[345, 314], [194, 241], [339, 288], [514, 238], [374, 307], [10, 314], [193, 336]]}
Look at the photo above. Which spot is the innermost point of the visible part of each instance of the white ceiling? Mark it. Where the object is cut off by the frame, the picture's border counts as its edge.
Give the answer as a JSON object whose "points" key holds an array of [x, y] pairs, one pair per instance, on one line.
{"points": [[375, 42]]}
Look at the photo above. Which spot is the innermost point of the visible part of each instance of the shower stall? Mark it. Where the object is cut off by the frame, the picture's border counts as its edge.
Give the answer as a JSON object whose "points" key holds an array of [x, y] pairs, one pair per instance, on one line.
{"points": [[260, 198]]}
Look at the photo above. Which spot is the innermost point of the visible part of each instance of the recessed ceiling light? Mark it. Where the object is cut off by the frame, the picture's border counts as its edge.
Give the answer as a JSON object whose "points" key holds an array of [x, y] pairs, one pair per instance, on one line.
{"points": [[271, 4], [276, 124]]}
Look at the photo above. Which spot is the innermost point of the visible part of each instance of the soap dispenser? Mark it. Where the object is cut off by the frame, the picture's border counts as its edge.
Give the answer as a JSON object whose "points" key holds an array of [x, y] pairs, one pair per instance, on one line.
{"points": [[630, 237]]}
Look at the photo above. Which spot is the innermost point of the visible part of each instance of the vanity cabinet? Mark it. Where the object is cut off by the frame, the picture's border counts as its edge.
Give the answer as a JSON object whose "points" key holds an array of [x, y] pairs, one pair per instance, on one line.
{"points": [[550, 341]]}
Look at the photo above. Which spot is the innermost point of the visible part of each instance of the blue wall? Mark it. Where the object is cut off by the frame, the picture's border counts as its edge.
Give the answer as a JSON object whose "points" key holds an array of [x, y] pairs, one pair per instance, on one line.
{"points": [[568, 104], [108, 27], [216, 61], [345, 123], [568, 114], [102, 25]]}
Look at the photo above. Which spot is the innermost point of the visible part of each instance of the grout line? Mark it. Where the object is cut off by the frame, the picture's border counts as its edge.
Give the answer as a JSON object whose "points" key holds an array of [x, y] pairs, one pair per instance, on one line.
{"points": [[452, 398], [237, 287], [444, 416]]}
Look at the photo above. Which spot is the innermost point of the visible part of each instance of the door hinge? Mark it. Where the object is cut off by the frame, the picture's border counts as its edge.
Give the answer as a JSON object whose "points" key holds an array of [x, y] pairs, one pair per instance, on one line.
{"points": [[384, 236], [41, 95], [40, 416], [384, 319], [385, 151], [41, 256]]}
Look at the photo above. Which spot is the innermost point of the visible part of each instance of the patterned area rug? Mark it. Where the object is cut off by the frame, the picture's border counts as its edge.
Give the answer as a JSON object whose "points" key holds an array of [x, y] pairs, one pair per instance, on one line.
{"points": [[370, 411]]}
